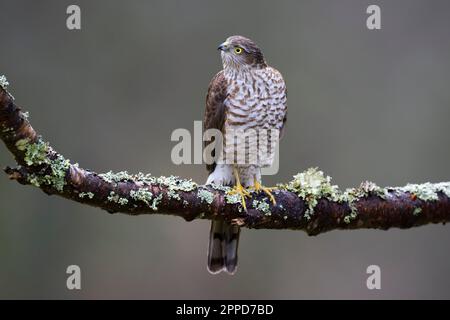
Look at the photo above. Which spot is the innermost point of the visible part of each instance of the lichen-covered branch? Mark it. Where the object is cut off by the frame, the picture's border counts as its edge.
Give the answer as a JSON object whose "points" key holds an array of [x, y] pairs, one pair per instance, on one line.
{"points": [[309, 202]]}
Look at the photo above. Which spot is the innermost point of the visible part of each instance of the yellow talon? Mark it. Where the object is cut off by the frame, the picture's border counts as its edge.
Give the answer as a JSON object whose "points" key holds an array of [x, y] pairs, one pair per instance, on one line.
{"points": [[239, 189], [259, 187]]}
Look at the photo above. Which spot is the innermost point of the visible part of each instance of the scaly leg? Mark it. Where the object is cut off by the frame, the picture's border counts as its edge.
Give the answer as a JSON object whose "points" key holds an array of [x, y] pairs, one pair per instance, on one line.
{"points": [[259, 187], [239, 189]]}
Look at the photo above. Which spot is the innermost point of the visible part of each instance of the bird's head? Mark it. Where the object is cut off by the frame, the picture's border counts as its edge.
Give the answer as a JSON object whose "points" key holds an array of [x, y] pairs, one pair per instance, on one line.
{"points": [[239, 52]]}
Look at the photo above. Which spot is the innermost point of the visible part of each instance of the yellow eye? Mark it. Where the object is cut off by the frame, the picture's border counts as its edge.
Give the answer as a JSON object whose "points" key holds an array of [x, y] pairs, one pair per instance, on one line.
{"points": [[238, 50]]}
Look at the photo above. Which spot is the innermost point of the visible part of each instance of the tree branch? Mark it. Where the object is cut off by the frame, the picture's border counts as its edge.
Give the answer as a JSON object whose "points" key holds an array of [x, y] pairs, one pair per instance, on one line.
{"points": [[309, 202]]}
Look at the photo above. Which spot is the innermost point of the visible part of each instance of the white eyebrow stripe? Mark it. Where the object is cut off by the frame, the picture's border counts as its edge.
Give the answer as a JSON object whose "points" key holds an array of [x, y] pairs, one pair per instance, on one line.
{"points": [[245, 48]]}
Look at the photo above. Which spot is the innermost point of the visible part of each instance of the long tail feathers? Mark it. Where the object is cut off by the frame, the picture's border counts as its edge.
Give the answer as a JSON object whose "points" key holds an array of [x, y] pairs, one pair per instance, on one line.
{"points": [[223, 247]]}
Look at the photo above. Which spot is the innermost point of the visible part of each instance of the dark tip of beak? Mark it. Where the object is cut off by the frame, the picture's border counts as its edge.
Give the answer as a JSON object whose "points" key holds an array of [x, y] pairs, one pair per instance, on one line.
{"points": [[221, 47]]}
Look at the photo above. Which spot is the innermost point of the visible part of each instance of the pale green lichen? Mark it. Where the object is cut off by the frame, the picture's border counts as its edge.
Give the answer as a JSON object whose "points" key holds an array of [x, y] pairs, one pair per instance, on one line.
{"points": [[205, 196], [123, 176], [173, 184], [156, 201], [3, 82], [6, 129], [146, 178], [141, 195], [34, 180], [114, 197], [173, 195], [4, 85], [417, 211], [425, 191], [370, 188], [443, 187], [352, 195], [312, 185], [22, 144], [232, 198], [58, 168], [176, 183], [202, 215], [90, 195], [112, 177], [262, 206], [35, 153], [350, 198], [353, 214], [220, 187]]}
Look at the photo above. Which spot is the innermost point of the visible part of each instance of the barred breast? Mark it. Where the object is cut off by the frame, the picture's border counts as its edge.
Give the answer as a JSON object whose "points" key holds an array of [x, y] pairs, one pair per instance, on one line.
{"points": [[256, 104]]}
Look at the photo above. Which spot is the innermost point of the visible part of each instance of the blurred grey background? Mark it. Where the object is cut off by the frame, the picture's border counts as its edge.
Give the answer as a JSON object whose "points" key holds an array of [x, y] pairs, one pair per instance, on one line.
{"points": [[362, 105]]}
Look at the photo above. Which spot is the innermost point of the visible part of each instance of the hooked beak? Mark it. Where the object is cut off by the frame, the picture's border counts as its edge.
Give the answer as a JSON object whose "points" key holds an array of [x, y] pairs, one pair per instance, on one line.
{"points": [[224, 46]]}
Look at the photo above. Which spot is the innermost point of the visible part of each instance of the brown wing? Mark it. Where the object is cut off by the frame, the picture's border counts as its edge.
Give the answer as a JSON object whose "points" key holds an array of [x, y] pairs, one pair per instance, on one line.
{"points": [[215, 107], [283, 125]]}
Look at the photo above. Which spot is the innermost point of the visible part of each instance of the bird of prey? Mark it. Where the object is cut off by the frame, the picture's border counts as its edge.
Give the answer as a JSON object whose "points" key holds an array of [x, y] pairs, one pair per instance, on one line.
{"points": [[247, 94]]}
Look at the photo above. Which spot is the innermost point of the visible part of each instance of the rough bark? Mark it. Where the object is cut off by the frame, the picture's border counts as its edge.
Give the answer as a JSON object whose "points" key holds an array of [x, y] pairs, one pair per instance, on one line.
{"points": [[300, 205]]}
